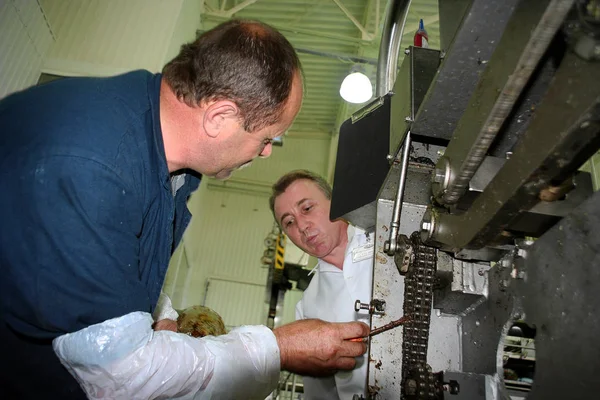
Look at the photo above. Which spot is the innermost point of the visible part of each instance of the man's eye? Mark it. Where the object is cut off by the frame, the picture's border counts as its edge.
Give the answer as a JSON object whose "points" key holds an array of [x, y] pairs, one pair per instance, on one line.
{"points": [[288, 222], [308, 208], [267, 141]]}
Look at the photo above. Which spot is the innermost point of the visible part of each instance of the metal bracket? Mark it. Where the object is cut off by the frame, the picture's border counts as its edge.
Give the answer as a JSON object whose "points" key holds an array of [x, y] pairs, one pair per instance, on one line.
{"points": [[375, 307]]}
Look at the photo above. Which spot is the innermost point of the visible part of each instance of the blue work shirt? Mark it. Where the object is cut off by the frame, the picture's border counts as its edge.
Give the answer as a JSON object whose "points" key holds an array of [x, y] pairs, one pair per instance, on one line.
{"points": [[88, 217]]}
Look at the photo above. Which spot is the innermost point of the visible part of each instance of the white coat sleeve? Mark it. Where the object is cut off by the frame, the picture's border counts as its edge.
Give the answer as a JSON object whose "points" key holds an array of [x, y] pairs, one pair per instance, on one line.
{"points": [[123, 358], [164, 308], [299, 311]]}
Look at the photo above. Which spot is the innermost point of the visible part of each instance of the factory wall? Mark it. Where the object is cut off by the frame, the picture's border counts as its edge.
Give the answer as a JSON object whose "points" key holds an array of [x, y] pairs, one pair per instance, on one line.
{"points": [[90, 37], [108, 37], [25, 38]]}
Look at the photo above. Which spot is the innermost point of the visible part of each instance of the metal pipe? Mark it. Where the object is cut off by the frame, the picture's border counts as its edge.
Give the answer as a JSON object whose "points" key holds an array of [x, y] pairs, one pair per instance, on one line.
{"points": [[387, 65], [284, 384], [293, 387], [533, 52], [338, 56], [391, 245], [390, 45]]}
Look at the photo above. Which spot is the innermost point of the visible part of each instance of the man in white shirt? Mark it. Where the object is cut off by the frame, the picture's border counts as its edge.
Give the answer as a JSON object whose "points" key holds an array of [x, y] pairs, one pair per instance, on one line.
{"points": [[300, 203]]}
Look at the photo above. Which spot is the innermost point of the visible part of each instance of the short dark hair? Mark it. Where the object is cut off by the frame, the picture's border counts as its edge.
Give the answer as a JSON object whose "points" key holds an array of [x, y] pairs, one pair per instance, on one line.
{"points": [[286, 180], [248, 62]]}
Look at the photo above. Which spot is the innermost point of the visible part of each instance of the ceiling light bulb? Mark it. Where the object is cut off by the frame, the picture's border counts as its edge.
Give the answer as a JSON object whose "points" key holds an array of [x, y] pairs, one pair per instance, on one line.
{"points": [[356, 88]]}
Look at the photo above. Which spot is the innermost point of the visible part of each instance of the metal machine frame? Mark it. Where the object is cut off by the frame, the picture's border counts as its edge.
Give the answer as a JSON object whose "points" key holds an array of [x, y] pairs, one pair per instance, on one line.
{"points": [[484, 153]]}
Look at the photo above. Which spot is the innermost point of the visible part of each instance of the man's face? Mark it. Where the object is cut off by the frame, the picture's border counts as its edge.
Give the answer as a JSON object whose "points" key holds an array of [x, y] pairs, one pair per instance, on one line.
{"points": [[303, 213], [238, 148]]}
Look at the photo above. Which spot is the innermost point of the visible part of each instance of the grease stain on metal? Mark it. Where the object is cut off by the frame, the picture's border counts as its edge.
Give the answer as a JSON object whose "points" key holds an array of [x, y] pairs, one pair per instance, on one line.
{"points": [[381, 259]]}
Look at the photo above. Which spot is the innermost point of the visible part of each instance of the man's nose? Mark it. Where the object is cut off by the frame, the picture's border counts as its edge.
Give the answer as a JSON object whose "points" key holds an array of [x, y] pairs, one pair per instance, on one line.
{"points": [[303, 225], [266, 152]]}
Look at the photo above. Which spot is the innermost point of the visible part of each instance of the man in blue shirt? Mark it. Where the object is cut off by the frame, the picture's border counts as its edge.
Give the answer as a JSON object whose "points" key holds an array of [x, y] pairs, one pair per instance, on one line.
{"points": [[95, 174]]}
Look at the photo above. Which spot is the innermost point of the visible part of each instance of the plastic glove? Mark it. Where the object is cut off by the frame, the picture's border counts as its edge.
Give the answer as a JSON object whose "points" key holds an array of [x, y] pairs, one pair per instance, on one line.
{"points": [[164, 308], [123, 358]]}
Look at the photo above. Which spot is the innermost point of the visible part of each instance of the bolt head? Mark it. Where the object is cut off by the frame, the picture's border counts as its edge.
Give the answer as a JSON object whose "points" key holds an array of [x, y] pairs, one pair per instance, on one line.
{"points": [[439, 176]]}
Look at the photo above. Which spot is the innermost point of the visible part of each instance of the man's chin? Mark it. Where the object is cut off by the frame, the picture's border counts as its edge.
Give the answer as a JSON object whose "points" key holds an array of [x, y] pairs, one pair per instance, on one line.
{"points": [[226, 173], [245, 165], [316, 250], [223, 174]]}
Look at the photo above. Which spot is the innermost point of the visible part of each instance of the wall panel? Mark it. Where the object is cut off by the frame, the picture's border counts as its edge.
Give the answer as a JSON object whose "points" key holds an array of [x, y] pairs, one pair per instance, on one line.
{"points": [[25, 38], [187, 24], [237, 303], [298, 151], [292, 297], [225, 239], [108, 37]]}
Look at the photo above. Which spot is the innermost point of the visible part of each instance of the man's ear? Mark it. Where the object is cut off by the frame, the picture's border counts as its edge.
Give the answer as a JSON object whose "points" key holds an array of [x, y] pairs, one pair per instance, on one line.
{"points": [[219, 115]]}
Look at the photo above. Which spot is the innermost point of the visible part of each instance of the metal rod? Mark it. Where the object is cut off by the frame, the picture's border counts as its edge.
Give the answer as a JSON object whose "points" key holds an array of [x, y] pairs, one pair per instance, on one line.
{"points": [[293, 387], [534, 50], [206, 292], [338, 56], [284, 384], [389, 326], [389, 49], [391, 244], [390, 45]]}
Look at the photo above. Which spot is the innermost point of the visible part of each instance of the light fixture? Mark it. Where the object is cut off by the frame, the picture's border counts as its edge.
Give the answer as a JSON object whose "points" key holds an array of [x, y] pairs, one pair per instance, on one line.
{"points": [[356, 87]]}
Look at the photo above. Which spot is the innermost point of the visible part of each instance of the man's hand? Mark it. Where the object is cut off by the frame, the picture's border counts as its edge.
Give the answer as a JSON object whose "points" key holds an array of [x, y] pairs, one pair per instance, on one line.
{"points": [[165, 325], [318, 348]]}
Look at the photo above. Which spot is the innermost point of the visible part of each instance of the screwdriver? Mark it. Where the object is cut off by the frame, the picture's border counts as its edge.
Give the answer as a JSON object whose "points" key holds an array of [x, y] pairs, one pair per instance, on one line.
{"points": [[383, 328]]}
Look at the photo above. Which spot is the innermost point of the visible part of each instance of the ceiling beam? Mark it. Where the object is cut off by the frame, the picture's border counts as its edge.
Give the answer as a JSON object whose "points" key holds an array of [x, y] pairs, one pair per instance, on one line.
{"points": [[348, 58], [300, 31], [377, 16], [365, 34], [310, 10], [228, 13]]}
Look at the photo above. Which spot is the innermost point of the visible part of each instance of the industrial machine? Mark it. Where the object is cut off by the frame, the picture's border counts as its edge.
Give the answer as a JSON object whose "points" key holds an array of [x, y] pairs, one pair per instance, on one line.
{"points": [[467, 168], [280, 275]]}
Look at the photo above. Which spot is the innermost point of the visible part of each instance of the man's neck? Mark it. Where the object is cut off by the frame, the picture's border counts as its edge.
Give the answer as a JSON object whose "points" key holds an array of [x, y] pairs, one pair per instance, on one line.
{"points": [[172, 120], [338, 254]]}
